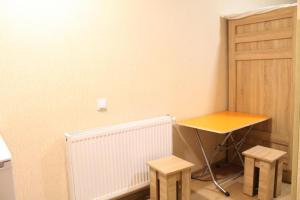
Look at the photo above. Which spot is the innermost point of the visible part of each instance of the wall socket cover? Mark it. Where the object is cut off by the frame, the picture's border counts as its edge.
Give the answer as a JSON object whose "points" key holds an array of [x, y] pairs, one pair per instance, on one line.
{"points": [[101, 104]]}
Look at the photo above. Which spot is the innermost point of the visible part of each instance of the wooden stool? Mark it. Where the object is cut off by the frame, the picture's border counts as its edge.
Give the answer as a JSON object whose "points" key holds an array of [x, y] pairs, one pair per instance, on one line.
{"points": [[170, 178], [269, 162]]}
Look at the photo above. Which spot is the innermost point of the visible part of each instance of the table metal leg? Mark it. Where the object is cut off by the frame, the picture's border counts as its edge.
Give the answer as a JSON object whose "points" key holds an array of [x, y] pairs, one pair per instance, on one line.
{"points": [[218, 149], [237, 150], [239, 146], [209, 168]]}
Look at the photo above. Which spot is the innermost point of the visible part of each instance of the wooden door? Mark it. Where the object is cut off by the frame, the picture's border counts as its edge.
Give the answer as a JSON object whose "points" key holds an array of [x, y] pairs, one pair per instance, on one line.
{"points": [[261, 66]]}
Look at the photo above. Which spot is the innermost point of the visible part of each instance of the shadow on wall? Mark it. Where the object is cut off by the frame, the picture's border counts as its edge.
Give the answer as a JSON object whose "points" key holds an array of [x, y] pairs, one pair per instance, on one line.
{"points": [[184, 139]]}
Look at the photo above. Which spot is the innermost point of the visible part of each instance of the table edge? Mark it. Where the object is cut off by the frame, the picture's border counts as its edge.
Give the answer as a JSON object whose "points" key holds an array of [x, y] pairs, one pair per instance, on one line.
{"points": [[222, 132]]}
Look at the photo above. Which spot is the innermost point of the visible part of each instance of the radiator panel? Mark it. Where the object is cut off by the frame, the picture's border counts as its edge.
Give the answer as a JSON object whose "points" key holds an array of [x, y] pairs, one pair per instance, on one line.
{"points": [[107, 162]]}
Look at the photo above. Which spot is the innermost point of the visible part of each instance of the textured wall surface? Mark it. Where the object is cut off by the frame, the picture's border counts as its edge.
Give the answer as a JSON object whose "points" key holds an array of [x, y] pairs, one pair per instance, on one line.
{"points": [[148, 58], [298, 63]]}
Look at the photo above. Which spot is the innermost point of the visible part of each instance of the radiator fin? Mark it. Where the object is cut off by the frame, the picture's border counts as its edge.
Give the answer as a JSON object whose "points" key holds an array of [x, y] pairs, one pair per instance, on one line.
{"points": [[107, 162]]}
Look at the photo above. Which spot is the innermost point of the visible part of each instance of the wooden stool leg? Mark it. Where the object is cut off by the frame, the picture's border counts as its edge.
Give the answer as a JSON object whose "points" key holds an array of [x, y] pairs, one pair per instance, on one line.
{"points": [[266, 180], [168, 187], [153, 185], [186, 181], [249, 176], [278, 178]]}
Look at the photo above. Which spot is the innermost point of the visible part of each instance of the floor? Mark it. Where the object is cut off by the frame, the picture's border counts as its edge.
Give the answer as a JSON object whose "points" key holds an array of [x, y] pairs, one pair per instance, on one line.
{"points": [[205, 190]]}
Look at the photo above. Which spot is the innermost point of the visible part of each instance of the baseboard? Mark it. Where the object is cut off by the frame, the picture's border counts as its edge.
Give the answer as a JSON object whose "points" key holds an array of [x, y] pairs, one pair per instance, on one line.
{"points": [[142, 194]]}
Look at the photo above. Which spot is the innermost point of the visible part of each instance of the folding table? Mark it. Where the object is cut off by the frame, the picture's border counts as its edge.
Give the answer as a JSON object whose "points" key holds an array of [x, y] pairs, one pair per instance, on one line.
{"points": [[223, 123]]}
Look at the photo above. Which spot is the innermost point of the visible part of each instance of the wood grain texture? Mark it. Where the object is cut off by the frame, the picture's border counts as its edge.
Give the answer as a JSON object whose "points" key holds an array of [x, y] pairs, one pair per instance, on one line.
{"points": [[267, 17], [278, 178], [261, 73], [280, 24], [249, 176], [266, 181], [264, 154], [232, 67], [153, 185], [170, 165], [263, 36], [296, 127], [168, 187], [186, 184], [270, 164], [170, 178]]}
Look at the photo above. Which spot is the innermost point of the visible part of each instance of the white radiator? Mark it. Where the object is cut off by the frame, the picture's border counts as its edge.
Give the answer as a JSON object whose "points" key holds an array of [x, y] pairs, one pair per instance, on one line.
{"points": [[107, 162]]}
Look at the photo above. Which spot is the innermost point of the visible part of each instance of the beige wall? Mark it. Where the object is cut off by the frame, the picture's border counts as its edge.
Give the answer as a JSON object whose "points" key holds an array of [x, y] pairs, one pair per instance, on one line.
{"points": [[148, 58], [298, 66]]}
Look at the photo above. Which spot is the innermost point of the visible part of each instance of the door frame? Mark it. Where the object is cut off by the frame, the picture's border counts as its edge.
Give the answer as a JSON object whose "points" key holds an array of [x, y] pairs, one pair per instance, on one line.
{"points": [[296, 128]]}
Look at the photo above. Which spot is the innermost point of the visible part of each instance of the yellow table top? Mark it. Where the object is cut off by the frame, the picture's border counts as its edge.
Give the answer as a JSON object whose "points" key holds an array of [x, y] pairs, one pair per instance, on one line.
{"points": [[223, 122]]}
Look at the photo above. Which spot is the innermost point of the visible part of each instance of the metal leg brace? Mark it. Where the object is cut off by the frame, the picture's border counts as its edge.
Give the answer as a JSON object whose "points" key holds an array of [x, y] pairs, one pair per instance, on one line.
{"points": [[208, 164], [237, 150], [218, 149], [239, 146]]}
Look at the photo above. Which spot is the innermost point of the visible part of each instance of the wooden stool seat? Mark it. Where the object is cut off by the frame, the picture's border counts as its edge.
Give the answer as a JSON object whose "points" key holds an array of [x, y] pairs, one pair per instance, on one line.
{"points": [[170, 178], [269, 162]]}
